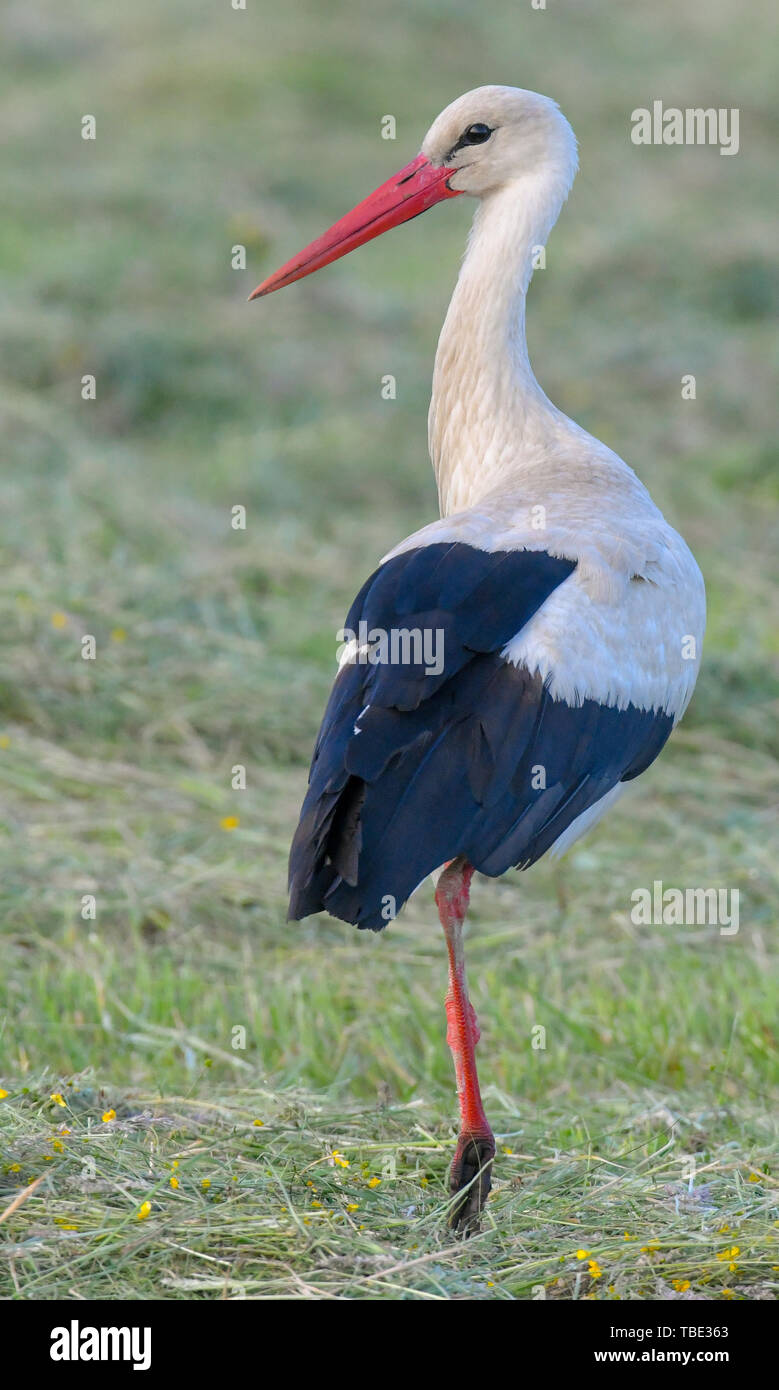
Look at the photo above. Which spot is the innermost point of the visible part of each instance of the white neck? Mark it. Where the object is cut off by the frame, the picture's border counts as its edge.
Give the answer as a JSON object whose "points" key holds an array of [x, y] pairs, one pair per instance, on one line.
{"points": [[488, 412]]}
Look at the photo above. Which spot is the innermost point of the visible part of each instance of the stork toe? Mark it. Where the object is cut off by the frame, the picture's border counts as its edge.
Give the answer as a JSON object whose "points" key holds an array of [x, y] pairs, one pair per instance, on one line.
{"points": [[470, 1176]]}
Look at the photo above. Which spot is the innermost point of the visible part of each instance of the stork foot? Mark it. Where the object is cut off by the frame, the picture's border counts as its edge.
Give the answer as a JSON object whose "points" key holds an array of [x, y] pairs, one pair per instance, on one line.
{"points": [[470, 1175]]}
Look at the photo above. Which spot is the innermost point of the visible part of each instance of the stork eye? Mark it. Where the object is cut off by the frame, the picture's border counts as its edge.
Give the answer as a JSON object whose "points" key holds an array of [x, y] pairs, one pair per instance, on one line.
{"points": [[477, 134]]}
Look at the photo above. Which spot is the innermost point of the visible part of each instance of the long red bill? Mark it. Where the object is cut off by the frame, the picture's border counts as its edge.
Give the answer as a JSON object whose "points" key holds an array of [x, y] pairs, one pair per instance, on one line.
{"points": [[411, 191]]}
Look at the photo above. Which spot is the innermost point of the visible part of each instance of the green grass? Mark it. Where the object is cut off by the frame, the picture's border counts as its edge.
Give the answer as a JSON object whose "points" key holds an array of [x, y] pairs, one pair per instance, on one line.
{"points": [[216, 647], [278, 1194]]}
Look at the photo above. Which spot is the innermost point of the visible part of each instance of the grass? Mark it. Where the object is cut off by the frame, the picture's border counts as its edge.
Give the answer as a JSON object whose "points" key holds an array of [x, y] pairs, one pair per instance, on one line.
{"points": [[215, 648], [324, 1200]]}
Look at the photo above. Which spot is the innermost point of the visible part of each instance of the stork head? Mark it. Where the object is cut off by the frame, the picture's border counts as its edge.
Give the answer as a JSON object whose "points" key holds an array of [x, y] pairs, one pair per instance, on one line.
{"points": [[483, 141], [493, 136]]}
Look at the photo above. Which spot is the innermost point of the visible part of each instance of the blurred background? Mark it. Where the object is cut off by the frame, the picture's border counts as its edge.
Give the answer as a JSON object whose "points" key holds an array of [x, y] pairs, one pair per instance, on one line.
{"points": [[216, 647]]}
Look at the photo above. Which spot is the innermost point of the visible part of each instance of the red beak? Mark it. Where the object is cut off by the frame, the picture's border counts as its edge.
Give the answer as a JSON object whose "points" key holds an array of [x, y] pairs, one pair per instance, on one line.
{"points": [[415, 189]]}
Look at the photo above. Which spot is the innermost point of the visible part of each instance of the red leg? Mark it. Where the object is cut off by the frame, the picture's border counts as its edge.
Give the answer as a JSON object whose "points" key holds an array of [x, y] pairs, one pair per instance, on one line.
{"points": [[472, 1165]]}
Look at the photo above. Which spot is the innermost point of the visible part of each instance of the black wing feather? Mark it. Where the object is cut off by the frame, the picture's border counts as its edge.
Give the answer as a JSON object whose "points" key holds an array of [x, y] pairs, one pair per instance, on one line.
{"points": [[448, 764]]}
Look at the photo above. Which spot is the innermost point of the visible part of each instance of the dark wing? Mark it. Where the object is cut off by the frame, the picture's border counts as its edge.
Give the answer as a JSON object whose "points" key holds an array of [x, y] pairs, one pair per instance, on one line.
{"points": [[412, 769]]}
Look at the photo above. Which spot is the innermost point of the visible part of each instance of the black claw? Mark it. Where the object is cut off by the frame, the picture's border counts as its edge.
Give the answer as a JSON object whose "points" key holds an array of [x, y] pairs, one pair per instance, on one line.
{"points": [[471, 1175]]}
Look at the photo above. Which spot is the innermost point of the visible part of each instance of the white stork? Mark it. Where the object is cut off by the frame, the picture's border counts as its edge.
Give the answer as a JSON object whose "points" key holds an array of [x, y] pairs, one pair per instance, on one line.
{"points": [[570, 613]]}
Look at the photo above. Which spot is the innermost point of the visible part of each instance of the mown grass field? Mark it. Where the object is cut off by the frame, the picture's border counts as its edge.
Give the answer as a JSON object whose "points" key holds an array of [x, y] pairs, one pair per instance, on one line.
{"points": [[637, 1151]]}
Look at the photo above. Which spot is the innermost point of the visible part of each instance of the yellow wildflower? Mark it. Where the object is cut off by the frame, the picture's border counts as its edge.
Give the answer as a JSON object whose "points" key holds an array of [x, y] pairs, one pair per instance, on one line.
{"points": [[339, 1160], [144, 1210], [57, 1098], [230, 822], [108, 1116], [582, 1254], [174, 1182], [681, 1285], [595, 1269], [58, 620], [374, 1182]]}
